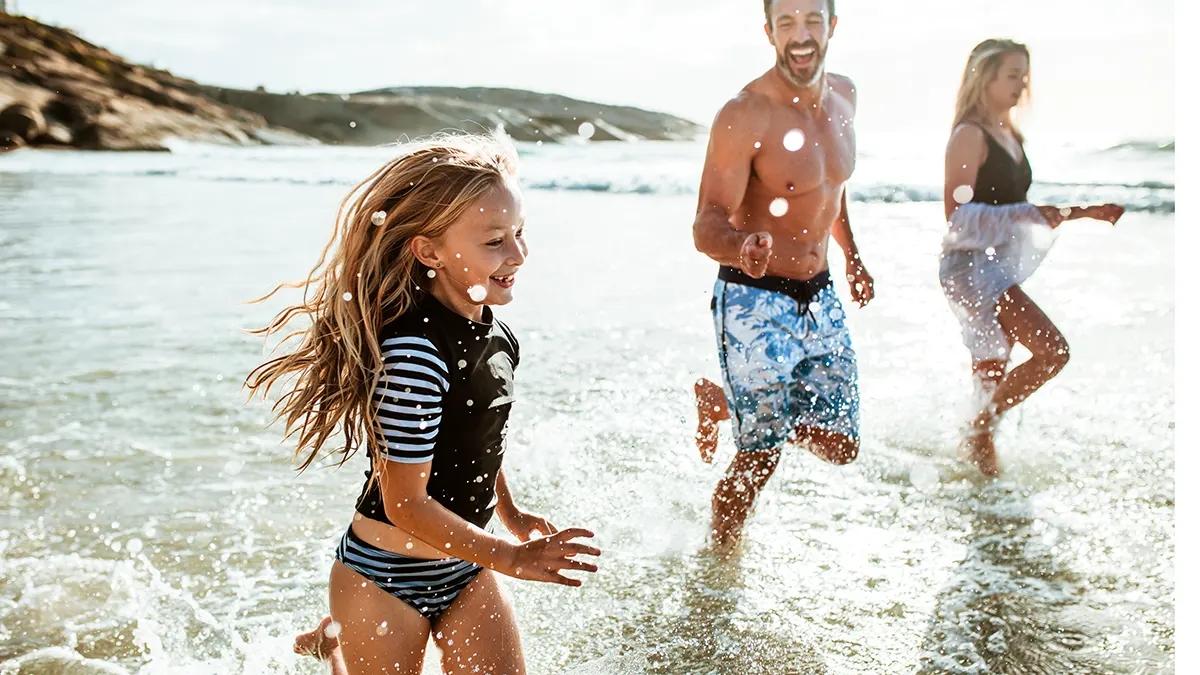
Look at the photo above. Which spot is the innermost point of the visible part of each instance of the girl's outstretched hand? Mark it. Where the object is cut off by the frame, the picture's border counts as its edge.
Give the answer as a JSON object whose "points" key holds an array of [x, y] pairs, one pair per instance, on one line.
{"points": [[544, 558], [523, 525]]}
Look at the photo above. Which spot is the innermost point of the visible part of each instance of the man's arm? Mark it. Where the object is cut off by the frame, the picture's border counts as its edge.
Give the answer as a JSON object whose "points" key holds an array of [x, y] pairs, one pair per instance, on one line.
{"points": [[736, 136], [862, 284]]}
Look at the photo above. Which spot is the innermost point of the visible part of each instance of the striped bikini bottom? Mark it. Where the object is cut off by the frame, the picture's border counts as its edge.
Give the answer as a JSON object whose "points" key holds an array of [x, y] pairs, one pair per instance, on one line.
{"points": [[428, 586]]}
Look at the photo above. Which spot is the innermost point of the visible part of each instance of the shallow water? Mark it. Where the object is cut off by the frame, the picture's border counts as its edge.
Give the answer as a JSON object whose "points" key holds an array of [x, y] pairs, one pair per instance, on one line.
{"points": [[150, 522]]}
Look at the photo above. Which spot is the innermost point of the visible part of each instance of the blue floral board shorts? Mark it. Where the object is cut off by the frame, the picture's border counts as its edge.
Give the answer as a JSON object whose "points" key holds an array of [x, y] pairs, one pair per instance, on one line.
{"points": [[785, 363]]}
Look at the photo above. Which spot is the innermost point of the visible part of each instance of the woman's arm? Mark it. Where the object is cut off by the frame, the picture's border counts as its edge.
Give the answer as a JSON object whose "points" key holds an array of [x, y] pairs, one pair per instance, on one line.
{"points": [[965, 153]]}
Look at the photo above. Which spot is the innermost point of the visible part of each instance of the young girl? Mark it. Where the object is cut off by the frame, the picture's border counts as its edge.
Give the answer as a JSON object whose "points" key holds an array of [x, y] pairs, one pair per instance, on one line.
{"points": [[996, 241], [404, 358]]}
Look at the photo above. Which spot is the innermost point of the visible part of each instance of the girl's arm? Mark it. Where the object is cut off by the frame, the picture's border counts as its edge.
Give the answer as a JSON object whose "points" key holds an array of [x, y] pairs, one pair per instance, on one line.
{"points": [[522, 524], [410, 508]]}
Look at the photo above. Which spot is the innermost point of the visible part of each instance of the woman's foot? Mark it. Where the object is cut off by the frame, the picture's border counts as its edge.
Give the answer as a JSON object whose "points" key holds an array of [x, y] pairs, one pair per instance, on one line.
{"points": [[320, 643], [710, 409], [979, 449], [979, 445]]}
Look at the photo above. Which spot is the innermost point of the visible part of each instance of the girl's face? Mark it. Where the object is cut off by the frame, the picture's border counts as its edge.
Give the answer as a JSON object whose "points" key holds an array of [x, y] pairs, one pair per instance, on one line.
{"points": [[1010, 82], [477, 258]]}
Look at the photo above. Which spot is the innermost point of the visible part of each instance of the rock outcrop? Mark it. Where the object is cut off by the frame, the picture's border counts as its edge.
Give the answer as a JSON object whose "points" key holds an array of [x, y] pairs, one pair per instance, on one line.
{"points": [[384, 115], [58, 90]]}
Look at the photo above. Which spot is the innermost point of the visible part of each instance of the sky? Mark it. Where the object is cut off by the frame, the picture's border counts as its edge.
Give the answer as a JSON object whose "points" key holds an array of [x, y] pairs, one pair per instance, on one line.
{"points": [[1100, 68]]}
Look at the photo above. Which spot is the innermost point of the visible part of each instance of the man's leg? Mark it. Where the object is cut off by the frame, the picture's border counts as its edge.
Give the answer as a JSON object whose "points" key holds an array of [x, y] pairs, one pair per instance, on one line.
{"points": [[737, 492], [825, 397], [711, 408], [830, 446]]}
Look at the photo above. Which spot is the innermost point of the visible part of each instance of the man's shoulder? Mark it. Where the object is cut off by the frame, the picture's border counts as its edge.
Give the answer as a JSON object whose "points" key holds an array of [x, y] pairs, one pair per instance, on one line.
{"points": [[844, 87], [749, 102]]}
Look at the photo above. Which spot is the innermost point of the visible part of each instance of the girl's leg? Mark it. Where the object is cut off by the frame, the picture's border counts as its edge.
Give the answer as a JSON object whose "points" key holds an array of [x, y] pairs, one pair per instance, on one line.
{"points": [[1026, 323], [379, 633], [478, 634], [322, 645]]}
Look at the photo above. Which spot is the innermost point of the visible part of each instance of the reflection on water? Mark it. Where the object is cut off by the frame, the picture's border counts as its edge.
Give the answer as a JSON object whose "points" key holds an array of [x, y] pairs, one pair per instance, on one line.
{"points": [[1012, 607], [713, 627]]}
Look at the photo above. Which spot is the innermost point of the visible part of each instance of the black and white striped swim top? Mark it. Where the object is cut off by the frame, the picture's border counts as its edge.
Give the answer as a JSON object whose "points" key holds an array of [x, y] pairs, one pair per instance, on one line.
{"points": [[444, 397]]}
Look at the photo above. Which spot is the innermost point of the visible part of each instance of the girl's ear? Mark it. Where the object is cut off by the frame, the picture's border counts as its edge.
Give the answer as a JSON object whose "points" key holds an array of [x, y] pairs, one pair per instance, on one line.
{"points": [[426, 251]]}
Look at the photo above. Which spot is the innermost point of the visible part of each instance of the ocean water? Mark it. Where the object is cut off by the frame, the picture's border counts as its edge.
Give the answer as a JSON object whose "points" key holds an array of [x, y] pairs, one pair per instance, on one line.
{"points": [[151, 521]]}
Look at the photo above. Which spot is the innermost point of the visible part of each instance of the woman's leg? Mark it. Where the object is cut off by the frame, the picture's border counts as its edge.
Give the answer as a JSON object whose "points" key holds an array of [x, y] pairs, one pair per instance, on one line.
{"points": [[378, 632], [478, 634], [1024, 322], [979, 446]]}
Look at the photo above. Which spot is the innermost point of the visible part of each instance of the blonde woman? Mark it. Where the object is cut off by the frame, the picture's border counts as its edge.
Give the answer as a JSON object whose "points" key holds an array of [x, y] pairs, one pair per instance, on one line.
{"points": [[404, 358], [996, 240]]}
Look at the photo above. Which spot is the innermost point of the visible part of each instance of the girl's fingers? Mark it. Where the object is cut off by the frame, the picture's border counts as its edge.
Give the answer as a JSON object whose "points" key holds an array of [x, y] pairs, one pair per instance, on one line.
{"points": [[580, 549], [573, 533], [571, 563]]}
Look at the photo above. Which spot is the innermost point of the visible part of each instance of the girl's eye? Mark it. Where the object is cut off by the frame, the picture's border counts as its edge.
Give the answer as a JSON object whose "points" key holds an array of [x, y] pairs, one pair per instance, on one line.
{"points": [[495, 243], [520, 234]]}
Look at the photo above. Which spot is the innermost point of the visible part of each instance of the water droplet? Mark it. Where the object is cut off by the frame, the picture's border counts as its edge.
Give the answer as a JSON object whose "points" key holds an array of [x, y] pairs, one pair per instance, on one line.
{"points": [[924, 476], [1065, 211], [234, 466], [477, 293], [134, 546], [381, 629], [470, 403], [431, 274], [793, 140], [462, 363], [779, 207], [990, 251], [587, 130], [333, 630], [378, 218], [963, 194], [116, 546], [408, 545], [796, 100], [347, 296], [353, 124], [757, 145]]}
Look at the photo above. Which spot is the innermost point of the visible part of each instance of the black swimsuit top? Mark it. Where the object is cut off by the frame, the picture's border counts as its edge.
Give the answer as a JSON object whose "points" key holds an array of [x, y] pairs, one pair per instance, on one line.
{"points": [[1001, 179], [444, 397]]}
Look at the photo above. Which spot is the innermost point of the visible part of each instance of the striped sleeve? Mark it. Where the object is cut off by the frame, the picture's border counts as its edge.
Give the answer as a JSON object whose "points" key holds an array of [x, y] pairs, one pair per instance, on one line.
{"points": [[408, 399]]}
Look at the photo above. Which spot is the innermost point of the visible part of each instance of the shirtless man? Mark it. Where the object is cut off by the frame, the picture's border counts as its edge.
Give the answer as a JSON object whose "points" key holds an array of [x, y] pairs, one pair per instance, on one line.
{"points": [[772, 193]]}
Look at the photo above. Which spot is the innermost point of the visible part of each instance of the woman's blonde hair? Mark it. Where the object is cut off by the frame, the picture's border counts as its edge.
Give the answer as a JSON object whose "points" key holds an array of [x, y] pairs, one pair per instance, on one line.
{"points": [[982, 68], [367, 275]]}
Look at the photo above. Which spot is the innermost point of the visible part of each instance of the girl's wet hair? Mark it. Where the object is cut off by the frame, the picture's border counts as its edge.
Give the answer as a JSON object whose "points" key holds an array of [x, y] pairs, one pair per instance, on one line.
{"points": [[368, 275], [982, 68]]}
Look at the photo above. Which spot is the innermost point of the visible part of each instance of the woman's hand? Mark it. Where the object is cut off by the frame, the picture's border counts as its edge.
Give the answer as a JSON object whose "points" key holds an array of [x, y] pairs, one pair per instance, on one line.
{"points": [[542, 559], [523, 525], [1055, 215], [1109, 212]]}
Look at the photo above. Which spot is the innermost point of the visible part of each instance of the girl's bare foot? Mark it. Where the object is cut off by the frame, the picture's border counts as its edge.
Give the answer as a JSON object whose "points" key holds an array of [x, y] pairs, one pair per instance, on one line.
{"points": [[320, 643], [710, 409]]}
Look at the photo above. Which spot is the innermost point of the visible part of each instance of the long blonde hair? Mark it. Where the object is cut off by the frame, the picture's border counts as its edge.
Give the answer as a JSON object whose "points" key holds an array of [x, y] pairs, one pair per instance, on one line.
{"points": [[982, 68], [367, 275]]}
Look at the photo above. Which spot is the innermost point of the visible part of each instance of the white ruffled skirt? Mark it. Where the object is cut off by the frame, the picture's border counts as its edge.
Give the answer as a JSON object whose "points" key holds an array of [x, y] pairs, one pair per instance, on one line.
{"points": [[988, 250]]}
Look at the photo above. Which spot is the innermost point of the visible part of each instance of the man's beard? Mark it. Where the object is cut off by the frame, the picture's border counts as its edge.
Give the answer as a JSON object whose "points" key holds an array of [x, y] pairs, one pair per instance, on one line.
{"points": [[808, 76]]}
